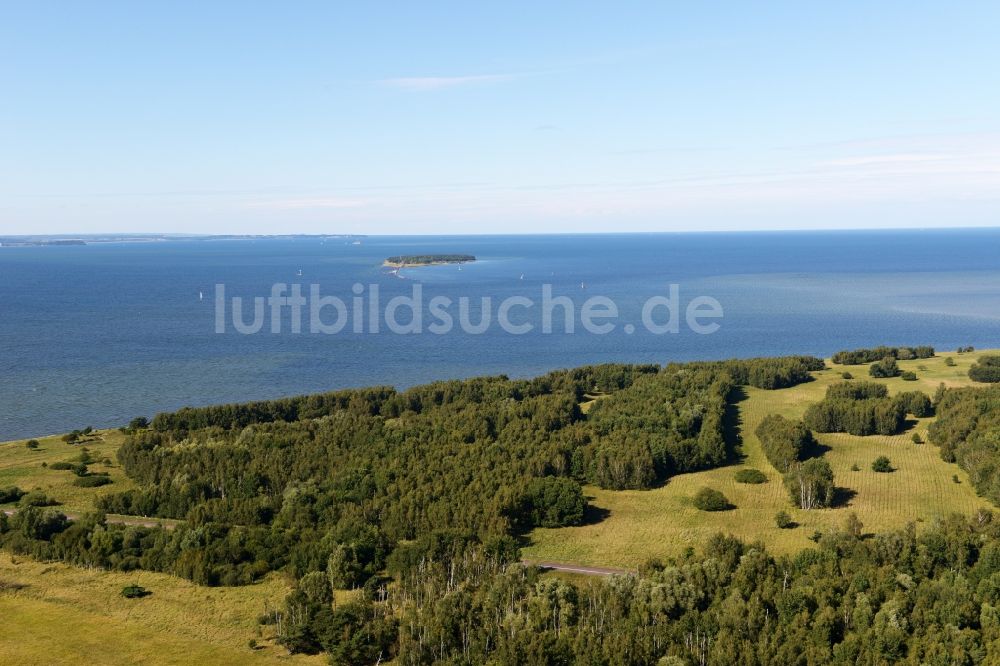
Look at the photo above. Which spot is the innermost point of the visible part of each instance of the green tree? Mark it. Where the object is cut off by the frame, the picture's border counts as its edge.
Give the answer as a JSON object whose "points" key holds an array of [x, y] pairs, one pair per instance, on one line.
{"points": [[882, 464], [709, 499], [887, 367], [810, 484]]}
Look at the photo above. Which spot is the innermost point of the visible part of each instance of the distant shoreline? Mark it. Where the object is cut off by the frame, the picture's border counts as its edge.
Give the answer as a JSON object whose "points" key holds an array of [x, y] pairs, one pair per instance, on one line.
{"points": [[62, 241]]}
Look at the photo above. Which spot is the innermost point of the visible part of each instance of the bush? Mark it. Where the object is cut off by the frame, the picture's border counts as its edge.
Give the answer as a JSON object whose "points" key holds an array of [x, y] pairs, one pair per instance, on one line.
{"points": [[908, 376], [71, 438], [36, 498], [986, 370], [917, 439], [783, 520], [93, 481], [32, 444], [138, 423], [750, 475], [887, 367], [846, 375], [855, 468], [882, 465], [61, 465], [135, 592], [708, 499], [950, 362], [10, 494]]}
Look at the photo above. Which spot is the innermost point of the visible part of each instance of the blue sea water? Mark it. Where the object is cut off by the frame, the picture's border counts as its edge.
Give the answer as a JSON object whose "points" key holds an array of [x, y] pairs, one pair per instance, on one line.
{"points": [[98, 334]]}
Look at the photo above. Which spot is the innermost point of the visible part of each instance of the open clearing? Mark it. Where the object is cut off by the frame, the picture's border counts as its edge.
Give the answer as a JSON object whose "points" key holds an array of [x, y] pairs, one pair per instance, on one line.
{"points": [[65, 614], [643, 524]]}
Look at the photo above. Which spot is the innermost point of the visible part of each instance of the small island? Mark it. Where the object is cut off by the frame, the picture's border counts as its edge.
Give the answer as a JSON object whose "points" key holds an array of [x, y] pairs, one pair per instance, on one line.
{"points": [[405, 260]]}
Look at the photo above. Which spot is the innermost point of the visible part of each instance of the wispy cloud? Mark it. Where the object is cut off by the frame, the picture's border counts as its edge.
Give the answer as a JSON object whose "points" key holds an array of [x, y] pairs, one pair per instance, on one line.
{"points": [[297, 204], [901, 158], [426, 83]]}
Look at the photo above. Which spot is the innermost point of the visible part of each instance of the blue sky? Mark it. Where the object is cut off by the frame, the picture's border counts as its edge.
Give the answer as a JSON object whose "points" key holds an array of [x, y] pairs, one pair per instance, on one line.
{"points": [[513, 117]]}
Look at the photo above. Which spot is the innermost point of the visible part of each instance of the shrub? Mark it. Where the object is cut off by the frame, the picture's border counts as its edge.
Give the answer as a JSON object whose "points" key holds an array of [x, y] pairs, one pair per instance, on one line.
{"points": [[71, 438], [32, 444], [10, 494], [61, 465], [950, 362], [783, 520], [986, 370], [855, 468], [750, 475], [36, 498], [138, 423], [80, 469], [708, 499], [882, 465], [93, 481], [908, 376], [887, 367], [917, 439], [135, 592], [846, 375]]}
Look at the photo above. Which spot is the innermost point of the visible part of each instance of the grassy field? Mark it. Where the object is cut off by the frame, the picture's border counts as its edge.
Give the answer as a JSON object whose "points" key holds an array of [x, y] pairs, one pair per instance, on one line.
{"points": [[22, 467], [65, 614], [654, 523], [59, 613]]}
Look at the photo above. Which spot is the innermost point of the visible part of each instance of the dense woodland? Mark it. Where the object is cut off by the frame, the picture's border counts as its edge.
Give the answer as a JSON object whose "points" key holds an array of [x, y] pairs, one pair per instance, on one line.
{"points": [[865, 408], [417, 498], [968, 431], [986, 369], [871, 355]]}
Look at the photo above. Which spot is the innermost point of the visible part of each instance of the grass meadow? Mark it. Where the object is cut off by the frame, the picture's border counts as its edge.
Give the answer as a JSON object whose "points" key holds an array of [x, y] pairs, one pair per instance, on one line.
{"points": [[643, 524]]}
